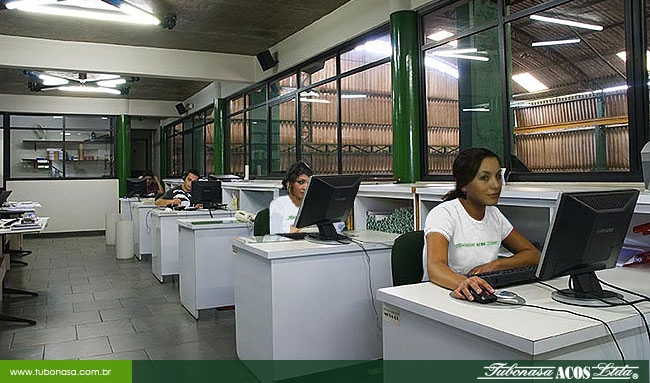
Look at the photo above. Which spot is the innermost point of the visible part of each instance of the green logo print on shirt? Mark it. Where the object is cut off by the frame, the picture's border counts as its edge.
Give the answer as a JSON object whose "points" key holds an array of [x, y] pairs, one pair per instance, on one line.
{"points": [[477, 244]]}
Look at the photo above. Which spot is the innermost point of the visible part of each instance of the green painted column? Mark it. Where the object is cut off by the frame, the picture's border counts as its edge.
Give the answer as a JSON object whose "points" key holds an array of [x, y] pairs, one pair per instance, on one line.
{"points": [[219, 118], [123, 156], [405, 66]]}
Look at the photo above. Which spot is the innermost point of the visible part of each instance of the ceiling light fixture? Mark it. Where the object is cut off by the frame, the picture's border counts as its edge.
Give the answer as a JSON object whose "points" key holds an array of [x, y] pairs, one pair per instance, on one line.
{"points": [[353, 95], [107, 10], [438, 65], [529, 82], [567, 22], [314, 100], [82, 82], [440, 35], [556, 42]]}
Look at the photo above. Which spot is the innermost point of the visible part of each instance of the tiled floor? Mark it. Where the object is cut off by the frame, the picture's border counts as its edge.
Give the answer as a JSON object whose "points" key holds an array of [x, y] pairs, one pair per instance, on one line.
{"points": [[93, 306]]}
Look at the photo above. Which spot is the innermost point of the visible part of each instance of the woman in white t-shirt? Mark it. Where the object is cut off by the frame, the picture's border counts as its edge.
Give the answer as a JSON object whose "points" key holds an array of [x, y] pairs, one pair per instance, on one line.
{"points": [[462, 235], [283, 210]]}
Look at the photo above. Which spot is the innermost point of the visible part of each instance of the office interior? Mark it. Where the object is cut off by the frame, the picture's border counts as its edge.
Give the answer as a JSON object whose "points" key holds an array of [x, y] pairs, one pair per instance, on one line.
{"points": [[389, 89]]}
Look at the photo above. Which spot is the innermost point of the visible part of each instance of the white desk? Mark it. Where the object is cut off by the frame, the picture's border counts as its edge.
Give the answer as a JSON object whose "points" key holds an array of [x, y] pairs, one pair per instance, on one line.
{"points": [[300, 300], [125, 207], [206, 262], [142, 228], [426, 323], [164, 238]]}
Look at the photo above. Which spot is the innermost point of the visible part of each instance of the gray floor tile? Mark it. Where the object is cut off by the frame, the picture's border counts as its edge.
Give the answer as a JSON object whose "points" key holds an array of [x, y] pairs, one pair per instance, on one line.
{"points": [[94, 330], [96, 305], [77, 348], [152, 339], [84, 288], [27, 353], [222, 349], [124, 313], [127, 355], [44, 336], [55, 320], [114, 293]]}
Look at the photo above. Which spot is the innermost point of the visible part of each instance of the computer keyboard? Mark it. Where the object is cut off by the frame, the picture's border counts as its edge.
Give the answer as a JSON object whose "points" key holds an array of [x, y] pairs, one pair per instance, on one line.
{"points": [[298, 235], [509, 277]]}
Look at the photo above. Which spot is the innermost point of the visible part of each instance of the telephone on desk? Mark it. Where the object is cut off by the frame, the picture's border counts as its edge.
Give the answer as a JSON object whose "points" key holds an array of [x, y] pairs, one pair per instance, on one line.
{"points": [[244, 216]]}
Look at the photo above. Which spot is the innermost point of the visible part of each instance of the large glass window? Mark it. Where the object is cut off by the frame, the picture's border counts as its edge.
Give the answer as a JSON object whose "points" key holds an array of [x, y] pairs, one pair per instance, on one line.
{"points": [[366, 122], [569, 90], [61, 146], [353, 138], [191, 143]]}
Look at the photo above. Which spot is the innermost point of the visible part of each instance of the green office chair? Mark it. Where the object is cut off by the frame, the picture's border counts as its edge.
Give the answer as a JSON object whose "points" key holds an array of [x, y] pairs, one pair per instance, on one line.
{"points": [[406, 258], [261, 225]]}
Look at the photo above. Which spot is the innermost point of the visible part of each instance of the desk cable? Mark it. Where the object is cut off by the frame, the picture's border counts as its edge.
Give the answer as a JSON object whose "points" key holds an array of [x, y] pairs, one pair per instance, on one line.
{"points": [[623, 303], [372, 294], [609, 329]]}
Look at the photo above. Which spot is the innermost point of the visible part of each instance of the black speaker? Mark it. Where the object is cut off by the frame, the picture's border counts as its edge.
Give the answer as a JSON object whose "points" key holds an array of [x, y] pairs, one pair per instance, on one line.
{"points": [[266, 60], [180, 108]]}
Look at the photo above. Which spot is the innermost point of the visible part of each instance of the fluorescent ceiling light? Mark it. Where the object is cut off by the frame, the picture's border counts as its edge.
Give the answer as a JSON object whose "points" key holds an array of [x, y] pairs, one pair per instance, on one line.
{"points": [[615, 89], [111, 83], [379, 46], [113, 10], [567, 22], [459, 54], [89, 89], [315, 100], [440, 35], [529, 82], [311, 93], [556, 42], [438, 65], [353, 96], [476, 109], [52, 80]]}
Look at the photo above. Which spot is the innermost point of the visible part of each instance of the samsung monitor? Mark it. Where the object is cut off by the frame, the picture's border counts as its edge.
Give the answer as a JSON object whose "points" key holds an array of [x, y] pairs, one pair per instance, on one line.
{"points": [[136, 187], [328, 199], [206, 193], [586, 235]]}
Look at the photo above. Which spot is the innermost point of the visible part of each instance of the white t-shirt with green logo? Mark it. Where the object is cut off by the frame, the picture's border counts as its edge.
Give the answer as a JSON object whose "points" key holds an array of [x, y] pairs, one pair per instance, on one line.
{"points": [[282, 214], [471, 242]]}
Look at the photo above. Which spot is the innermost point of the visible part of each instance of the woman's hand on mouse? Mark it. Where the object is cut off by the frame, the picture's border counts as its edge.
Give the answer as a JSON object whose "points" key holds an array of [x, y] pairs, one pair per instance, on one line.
{"points": [[473, 282]]}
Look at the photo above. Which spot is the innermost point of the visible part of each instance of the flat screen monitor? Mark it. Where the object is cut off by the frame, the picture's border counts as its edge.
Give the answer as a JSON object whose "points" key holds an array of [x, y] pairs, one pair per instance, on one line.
{"points": [[224, 177], [328, 199], [207, 193], [586, 235], [136, 187]]}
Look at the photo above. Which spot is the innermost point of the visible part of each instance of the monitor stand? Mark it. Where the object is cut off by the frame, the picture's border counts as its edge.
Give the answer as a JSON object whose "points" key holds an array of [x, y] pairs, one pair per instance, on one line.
{"points": [[585, 290], [327, 235]]}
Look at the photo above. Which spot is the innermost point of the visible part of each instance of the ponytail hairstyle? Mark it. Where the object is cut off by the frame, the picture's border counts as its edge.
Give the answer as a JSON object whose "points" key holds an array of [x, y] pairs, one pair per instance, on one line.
{"points": [[465, 167], [295, 170]]}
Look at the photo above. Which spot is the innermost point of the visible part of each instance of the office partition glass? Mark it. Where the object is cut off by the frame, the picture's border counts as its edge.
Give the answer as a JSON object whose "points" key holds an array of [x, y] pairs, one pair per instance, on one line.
{"points": [[283, 135], [316, 71], [58, 146], [365, 52], [236, 144], [258, 137]]}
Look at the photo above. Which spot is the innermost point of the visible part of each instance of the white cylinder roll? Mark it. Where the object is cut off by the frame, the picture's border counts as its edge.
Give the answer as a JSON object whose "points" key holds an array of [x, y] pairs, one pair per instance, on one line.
{"points": [[124, 248], [111, 221]]}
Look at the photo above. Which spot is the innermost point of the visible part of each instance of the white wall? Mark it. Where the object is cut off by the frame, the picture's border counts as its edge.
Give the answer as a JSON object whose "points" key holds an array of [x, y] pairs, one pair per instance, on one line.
{"points": [[72, 205]]}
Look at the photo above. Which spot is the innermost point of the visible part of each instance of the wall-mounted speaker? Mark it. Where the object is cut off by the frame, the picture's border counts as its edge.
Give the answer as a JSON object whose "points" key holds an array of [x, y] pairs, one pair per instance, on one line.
{"points": [[266, 60], [180, 108]]}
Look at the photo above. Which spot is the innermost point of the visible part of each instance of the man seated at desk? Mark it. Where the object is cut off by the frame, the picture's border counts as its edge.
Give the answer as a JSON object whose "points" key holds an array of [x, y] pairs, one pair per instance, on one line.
{"points": [[154, 187], [180, 195]]}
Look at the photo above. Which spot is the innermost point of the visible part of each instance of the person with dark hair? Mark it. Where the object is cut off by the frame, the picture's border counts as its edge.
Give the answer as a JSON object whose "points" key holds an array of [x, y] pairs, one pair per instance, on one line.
{"points": [[180, 195], [154, 187], [283, 210], [462, 235]]}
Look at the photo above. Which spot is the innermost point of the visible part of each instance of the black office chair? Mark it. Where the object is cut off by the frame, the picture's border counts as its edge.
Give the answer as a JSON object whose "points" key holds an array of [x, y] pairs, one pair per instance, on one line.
{"points": [[261, 225], [406, 258]]}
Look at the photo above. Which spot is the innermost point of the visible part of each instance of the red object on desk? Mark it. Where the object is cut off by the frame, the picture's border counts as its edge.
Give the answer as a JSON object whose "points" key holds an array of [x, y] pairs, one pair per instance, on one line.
{"points": [[644, 229]]}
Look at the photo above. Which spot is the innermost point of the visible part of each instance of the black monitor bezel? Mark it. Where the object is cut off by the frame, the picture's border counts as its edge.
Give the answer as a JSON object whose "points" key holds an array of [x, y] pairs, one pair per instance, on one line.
{"points": [[212, 204], [132, 182]]}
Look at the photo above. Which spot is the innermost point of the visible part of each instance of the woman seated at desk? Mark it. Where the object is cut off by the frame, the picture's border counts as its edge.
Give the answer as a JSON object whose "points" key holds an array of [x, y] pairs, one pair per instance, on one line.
{"points": [[463, 234], [283, 210]]}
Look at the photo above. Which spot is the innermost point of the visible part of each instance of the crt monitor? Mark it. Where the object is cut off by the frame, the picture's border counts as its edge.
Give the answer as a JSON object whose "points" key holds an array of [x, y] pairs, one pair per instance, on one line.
{"points": [[328, 199], [586, 235], [136, 187], [207, 193]]}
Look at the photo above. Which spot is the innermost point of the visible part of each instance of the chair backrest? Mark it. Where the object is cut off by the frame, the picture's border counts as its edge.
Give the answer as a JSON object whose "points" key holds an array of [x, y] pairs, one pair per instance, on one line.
{"points": [[406, 258], [261, 225]]}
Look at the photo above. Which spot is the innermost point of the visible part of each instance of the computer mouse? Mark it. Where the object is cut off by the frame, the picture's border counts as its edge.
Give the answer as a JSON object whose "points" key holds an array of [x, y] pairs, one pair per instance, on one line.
{"points": [[484, 297], [505, 294]]}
